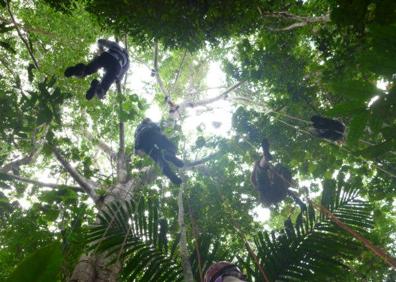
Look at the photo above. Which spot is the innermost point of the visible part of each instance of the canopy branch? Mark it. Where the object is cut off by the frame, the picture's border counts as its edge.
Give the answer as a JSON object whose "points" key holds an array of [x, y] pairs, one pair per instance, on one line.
{"points": [[101, 145], [187, 272], [156, 71], [190, 165], [178, 71], [21, 35], [39, 183], [300, 21], [87, 185], [14, 165], [191, 104]]}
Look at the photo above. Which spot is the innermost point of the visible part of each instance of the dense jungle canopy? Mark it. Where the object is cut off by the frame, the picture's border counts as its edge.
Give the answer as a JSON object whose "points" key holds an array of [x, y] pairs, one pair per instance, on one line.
{"points": [[76, 203]]}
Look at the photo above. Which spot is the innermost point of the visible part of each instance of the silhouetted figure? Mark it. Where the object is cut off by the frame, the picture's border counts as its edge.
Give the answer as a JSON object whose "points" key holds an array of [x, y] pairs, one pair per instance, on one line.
{"points": [[114, 60], [328, 128], [150, 140], [272, 182]]}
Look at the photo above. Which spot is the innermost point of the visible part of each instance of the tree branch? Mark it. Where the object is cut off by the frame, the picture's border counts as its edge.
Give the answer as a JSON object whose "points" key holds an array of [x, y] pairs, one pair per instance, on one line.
{"points": [[195, 234], [28, 28], [87, 185], [156, 70], [190, 104], [121, 157], [321, 19], [101, 144], [178, 71], [300, 20], [187, 272], [39, 183], [190, 165], [21, 35], [14, 165]]}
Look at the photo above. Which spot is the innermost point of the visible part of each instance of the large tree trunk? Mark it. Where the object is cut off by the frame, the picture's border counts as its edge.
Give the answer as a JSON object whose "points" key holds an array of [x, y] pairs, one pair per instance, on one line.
{"points": [[96, 267]]}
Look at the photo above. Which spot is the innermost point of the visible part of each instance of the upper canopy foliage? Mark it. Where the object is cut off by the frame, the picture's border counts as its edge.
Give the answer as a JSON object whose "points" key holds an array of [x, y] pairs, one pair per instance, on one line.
{"points": [[296, 59]]}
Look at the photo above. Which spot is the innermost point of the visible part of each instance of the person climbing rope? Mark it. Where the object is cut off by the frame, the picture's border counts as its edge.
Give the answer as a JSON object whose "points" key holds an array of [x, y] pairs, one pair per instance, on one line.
{"points": [[150, 140], [272, 182], [115, 62]]}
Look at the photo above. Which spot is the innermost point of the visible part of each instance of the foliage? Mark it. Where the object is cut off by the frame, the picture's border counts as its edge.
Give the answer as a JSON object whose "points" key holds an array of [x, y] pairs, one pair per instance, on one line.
{"points": [[43, 265], [297, 58], [133, 233], [314, 248]]}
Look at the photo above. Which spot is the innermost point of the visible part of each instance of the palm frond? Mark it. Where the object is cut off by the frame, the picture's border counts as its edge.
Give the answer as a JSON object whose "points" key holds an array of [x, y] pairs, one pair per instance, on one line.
{"points": [[132, 233], [313, 248], [210, 251]]}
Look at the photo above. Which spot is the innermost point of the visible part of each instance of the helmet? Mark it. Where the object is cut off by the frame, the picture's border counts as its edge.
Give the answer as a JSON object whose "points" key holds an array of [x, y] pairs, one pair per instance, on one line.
{"points": [[218, 269]]}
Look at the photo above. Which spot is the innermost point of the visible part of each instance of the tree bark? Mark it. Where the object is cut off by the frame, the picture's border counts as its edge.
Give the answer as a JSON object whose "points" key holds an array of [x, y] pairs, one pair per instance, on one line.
{"points": [[187, 272], [96, 267], [41, 184]]}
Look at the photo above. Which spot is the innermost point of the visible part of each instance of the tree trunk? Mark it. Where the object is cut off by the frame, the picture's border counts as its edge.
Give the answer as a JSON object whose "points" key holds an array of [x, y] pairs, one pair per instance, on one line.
{"points": [[96, 267], [187, 272]]}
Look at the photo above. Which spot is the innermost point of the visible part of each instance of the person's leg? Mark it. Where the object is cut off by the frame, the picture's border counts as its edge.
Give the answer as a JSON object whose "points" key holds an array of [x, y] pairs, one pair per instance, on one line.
{"points": [[112, 69], [92, 90], [169, 149], [169, 156], [156, 155], [164, 143]]}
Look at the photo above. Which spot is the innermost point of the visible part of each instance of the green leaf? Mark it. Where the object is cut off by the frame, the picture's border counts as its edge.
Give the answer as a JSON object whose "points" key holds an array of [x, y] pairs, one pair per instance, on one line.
{"points": [[345, 109], [44, 116], [356, 127], [355, 89], [43, 265], [4, 176], [7, 46], [30, 72], [377, 150]]}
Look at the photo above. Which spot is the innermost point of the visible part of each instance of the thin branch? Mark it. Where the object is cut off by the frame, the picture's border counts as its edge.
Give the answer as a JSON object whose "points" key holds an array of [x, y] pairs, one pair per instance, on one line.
{"points": [[178, 72], [28, 28], [101, 144], [190, 165], [195, 234], [252, 254], [156, 70], [87, 185], [126, 74], [21, 35], [14, 165], [39, 183], [300, 20], [290, 27], [307, 21], [187, 272], [121, 157], [147, 175], [190, 104]]}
